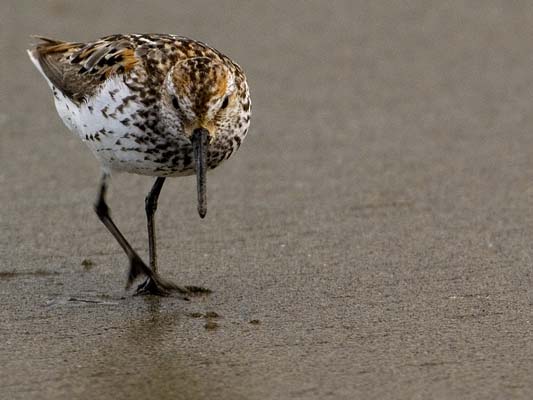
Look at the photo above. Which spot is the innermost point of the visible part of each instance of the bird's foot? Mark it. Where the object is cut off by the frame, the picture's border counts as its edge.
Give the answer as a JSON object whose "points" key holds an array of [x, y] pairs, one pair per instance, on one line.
{"points": [[156, 286]]}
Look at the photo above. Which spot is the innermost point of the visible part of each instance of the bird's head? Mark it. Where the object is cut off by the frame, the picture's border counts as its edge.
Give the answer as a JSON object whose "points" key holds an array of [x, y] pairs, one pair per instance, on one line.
{"points": [[199, 96], [200, 91]]}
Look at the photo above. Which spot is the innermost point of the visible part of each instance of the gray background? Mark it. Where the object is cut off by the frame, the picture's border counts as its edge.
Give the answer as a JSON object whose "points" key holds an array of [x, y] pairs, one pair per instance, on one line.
{"points": [[376, 221]]}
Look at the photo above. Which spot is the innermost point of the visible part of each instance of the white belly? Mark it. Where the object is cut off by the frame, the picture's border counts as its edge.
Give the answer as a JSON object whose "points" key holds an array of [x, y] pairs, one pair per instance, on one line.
{"points": [[105, 124]]}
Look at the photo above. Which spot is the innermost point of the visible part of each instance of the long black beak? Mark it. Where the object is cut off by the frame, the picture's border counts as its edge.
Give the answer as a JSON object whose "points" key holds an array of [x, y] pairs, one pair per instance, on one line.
{"points": [[200, 141]]}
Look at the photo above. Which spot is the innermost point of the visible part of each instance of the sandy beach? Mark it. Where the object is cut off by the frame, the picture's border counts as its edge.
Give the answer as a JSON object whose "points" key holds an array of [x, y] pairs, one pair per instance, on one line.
{"points": [[372, 238]]}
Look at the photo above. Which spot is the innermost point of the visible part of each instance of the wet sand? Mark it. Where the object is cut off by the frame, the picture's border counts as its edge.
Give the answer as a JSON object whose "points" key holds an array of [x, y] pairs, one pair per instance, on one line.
{"points": [[371, 238]]}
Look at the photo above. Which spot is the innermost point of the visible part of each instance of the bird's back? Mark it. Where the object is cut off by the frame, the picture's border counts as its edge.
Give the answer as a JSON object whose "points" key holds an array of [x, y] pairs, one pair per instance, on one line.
{"points": [[79, 69]]}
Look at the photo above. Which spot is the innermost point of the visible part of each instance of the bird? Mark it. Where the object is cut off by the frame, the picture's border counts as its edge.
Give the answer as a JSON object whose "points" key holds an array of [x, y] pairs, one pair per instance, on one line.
{"points": [[160, 105]]}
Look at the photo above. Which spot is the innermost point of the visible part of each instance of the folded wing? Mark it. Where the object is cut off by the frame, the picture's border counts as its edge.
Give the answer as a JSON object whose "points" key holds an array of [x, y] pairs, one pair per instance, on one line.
{"points": [[78, 69]]}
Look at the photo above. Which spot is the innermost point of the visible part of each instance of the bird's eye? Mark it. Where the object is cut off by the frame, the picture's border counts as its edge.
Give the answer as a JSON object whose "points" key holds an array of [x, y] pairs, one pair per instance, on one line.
{"points": [[175, 102], [224, 103]]}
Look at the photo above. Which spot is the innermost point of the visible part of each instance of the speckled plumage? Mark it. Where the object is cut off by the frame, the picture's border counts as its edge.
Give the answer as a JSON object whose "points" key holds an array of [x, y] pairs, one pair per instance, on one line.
{"points": [[151, 104], [113, 94]]}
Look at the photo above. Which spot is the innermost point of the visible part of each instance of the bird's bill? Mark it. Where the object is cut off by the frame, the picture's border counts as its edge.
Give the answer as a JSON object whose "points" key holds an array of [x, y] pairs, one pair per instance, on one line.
{"points": [[200, 142]]}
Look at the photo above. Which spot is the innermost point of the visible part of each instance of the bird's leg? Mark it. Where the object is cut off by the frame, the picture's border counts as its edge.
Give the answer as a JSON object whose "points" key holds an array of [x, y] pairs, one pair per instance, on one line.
{"points": [[150, 204], [137, 265]]}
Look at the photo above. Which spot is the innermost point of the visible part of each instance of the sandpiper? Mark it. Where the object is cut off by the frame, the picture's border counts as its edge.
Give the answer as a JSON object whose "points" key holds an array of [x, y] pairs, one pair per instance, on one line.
{"points": [[152, 104]]}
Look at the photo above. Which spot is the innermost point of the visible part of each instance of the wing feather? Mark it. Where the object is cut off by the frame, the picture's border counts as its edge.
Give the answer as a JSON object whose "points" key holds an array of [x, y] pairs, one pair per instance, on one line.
{"points": [[78, 69]]}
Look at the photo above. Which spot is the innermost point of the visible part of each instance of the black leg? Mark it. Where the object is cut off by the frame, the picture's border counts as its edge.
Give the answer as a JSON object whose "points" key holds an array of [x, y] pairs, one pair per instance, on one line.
{"points": [[137, 265], [151, 207]]}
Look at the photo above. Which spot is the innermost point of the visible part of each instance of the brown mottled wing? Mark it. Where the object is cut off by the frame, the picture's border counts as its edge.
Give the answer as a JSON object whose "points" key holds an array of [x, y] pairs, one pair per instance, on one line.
{"points": [[78, 69]]}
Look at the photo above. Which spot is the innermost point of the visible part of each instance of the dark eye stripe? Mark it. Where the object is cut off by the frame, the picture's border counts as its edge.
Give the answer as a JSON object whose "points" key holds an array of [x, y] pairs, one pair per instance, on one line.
{"points": [[224, 103], [175, 102]]}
